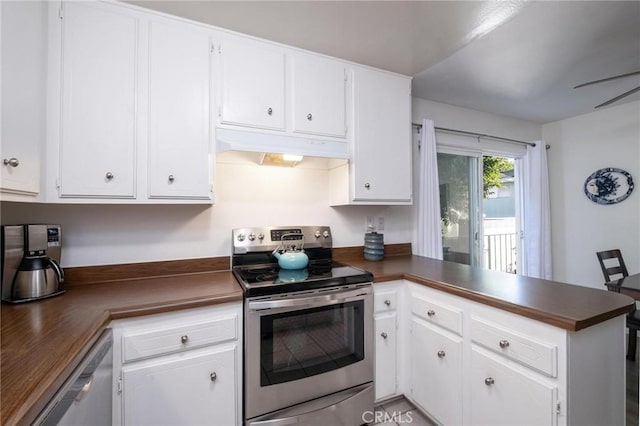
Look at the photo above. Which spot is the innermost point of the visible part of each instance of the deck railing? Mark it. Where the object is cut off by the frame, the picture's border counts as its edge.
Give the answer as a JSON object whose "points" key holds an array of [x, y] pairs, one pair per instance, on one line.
{"points": [[500, 252]]}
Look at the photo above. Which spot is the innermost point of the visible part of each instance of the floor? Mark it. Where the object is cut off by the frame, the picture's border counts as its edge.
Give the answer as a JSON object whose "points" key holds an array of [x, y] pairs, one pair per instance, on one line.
{"points": [[400, 411]]}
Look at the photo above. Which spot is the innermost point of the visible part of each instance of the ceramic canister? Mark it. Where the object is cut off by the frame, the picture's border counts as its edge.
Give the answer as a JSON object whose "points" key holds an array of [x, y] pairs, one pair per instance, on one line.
{"points": [[373, 246]]}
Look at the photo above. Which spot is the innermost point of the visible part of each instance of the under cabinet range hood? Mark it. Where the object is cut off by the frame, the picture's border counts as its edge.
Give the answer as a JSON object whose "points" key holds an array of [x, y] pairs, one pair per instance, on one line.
{"points": [[239, 140]]}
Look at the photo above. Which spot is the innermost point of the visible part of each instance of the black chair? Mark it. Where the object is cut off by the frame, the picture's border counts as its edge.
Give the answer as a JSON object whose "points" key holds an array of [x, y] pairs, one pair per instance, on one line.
{"points": [[613, 268]]}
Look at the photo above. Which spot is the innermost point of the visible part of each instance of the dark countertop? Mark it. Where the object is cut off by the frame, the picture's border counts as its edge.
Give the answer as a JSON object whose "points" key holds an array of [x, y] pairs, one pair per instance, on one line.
{"points": [[43, 341]]}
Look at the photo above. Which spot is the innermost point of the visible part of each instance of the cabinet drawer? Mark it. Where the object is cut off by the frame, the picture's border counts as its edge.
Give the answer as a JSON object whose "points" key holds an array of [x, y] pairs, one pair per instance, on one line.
{"points": [[160, 341], [541, 356], [385, 301], [436, 312]]}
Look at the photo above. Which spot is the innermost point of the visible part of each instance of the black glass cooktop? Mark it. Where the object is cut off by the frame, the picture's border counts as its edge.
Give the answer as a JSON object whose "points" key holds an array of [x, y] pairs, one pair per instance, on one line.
{"points": [[261, 280]]}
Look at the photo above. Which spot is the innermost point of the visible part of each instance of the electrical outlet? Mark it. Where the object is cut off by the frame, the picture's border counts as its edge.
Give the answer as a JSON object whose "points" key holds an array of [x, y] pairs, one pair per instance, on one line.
{"points": [[369, 224], [381, 224]]}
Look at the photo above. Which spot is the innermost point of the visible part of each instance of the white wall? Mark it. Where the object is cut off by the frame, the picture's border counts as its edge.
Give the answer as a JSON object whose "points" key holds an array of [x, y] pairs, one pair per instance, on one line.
{"points": [[581, 145], [247, 195]]}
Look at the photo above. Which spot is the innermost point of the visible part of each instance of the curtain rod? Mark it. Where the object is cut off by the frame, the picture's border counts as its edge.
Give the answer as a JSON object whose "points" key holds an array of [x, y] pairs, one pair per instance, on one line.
{"points": [[479, 135]]}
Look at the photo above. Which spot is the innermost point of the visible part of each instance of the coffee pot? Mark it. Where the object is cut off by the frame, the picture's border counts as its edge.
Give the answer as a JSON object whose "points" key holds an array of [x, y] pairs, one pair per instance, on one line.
{"points": [[31, 262]]}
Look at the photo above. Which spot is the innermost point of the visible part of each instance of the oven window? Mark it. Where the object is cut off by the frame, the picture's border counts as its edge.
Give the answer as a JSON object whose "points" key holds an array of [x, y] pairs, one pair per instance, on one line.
{"points": [[303, 343]]}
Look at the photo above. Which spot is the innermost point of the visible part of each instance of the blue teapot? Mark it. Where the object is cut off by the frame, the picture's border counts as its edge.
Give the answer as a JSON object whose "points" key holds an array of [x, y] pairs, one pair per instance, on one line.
{"points": [[290, 258]]}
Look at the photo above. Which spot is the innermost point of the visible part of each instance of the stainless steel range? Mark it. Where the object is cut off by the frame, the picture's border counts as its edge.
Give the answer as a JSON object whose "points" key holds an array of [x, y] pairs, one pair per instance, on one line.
{"points": [[308, 332]]}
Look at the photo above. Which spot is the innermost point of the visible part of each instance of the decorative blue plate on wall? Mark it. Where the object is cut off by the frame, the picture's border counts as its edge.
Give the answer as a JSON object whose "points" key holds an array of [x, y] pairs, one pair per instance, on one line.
{"points": [[608, 186]]}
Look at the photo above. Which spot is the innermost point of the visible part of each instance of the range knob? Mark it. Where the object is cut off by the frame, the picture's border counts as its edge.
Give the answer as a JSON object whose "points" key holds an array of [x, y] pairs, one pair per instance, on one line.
{"points": [[317, 234], [252, 236], [261, 236], [325, 234], [240, 237]]}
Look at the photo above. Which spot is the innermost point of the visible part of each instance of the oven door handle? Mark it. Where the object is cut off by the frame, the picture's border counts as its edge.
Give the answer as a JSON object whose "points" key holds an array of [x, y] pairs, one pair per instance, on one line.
{"points": [[326, 299]]}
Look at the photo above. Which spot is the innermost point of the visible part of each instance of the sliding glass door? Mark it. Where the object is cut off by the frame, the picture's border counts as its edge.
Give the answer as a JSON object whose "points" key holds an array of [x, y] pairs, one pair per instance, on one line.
{"points": [[459, 175], [479, 209]]}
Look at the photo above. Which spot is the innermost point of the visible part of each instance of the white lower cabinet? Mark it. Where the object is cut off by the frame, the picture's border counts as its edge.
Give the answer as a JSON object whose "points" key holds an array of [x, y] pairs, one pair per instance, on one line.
{"points": [[192, 388], [386, 339], [180, 368], [436, 369], [472, 364], [502, 393]]}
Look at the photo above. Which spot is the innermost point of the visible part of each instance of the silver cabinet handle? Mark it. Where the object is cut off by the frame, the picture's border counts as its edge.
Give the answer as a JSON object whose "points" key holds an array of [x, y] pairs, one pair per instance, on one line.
{"points": [[13, 162], [387, 302], [184, 339], [109, 175], [489, 381], [270, 111], [384, 335], [504, 344], [309, 117], [441, 354], [431, 313], [171, 178], [213, 376], [367, 185]]}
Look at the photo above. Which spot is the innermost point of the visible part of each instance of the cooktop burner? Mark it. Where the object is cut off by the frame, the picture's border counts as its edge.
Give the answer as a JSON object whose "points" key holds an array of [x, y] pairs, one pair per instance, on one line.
{"points": [[256, 267], [270, 279]]}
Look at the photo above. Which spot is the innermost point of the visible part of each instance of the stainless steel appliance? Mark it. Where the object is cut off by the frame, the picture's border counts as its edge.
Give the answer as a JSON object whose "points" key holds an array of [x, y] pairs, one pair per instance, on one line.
{"points": [[31, 262], [85, 397], [308, 333]]}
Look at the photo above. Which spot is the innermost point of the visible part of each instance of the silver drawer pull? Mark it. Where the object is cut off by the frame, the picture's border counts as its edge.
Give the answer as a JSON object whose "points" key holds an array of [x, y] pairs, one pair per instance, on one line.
{"points": [[109, 175], [387, 302], [504, 344], [213, 376], [184, 339], [13, 162], [384, 335], [171, 178], [489, 381], [270, 111], [441, 354], [431, 312], [309, 117], [367, 185]]}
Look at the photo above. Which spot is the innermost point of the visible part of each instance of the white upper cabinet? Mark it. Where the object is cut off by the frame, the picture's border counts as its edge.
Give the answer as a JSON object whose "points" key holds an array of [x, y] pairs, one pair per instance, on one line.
{"points": [[129, 106], [382, 148], [319, 95], [179, 101], [380, 167], [23, 93], [252, 77], [98, 117]]}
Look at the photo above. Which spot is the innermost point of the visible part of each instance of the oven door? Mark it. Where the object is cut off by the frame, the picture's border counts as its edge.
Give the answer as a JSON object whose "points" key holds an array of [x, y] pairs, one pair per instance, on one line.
{"points": [[305, 346]]}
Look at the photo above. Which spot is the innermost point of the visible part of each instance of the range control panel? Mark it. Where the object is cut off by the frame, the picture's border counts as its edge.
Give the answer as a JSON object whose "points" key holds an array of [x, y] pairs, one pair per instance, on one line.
{"points": [[268, 238]]}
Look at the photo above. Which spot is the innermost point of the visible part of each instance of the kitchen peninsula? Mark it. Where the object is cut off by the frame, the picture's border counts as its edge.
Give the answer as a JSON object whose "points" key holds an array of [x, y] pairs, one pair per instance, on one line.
{"points": [[43, 341]]}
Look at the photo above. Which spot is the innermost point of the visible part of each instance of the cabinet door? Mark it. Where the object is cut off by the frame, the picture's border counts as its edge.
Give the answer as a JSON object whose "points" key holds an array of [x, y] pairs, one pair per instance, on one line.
{"points": [[97, 152], [252, 84], [192, 388], [502, 395], [436, 372], [382, 137], [386, 358], [23, 94], [179, 93], [319, 96]]}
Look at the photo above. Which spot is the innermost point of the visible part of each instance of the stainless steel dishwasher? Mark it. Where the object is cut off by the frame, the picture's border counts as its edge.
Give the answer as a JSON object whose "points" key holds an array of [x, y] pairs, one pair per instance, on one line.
{"points": [[85, 398]]}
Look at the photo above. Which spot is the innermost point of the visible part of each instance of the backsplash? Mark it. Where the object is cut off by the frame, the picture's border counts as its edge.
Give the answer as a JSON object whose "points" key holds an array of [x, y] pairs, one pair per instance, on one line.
{"points": [[246, 195]]}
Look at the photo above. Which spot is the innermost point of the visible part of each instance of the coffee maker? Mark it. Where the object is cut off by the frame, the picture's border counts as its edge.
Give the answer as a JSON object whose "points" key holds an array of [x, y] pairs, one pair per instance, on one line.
{"points": [[31, 262]]}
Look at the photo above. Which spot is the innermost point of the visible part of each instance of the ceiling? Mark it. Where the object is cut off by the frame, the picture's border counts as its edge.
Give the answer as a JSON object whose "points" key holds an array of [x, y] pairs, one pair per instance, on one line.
{"points": [[514, 58]]}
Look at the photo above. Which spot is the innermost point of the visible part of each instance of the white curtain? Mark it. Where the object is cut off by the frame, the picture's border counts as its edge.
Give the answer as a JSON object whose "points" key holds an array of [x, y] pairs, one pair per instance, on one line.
{"points": [[537, 214], [429, 242]]}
